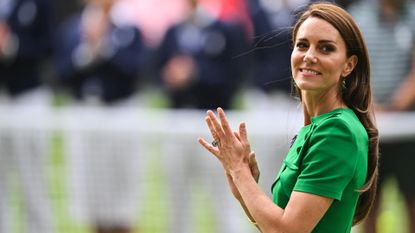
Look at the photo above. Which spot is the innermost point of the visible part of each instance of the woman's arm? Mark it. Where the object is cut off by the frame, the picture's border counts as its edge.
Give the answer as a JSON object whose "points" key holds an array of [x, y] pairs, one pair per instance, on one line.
{"points": [[253, 165], [303, 211], [301, 214], [238, 196]]}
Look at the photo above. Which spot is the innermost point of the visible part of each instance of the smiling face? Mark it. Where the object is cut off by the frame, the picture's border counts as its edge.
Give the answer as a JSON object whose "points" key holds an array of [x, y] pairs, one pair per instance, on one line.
{"points": [[319, 58]]}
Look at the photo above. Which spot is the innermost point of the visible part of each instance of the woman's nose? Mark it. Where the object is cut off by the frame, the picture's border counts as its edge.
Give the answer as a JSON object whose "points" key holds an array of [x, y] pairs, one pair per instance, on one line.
{"points": [[310, 57]]}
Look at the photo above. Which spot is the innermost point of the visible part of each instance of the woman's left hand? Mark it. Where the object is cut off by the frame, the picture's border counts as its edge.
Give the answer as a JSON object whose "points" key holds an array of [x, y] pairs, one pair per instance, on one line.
{"points": [[232, 149]]}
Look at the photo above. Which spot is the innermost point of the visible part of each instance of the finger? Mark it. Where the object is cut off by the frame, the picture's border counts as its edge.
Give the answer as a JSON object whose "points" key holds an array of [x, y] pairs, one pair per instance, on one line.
{"points": [[216, 125], [209, 147], [252, 157], [237, 135], [211, 128], [253, 166], [224, 121], [243, 134]]}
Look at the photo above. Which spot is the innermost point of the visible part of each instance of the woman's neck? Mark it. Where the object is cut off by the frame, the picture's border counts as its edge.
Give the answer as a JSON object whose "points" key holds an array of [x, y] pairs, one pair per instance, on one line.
{"points": [[314, 105]]}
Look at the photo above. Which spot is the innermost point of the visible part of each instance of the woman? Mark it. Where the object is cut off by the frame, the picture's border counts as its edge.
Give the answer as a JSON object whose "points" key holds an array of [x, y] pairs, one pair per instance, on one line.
{"points": [[327, 182]]}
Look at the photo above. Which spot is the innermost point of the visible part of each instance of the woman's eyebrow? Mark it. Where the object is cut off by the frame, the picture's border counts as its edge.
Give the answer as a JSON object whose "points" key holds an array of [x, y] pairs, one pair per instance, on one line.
{"points": [[327, 41], [320, 41]]}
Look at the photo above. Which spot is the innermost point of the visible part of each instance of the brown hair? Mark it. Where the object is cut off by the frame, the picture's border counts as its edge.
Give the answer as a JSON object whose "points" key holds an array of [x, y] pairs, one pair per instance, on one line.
{"points": [[356, 92]]}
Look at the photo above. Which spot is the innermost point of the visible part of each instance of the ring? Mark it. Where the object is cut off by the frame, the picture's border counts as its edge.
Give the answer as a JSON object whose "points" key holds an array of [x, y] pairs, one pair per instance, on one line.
{"points": [[215, 143]]}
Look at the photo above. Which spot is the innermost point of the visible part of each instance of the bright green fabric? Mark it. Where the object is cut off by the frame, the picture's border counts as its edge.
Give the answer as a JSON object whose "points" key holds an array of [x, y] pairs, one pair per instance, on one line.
{"points": [[328, 158]]}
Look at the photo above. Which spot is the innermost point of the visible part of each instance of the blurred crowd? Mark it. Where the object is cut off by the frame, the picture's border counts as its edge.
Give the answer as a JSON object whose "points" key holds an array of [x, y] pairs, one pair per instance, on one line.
{"points": [[199, 54]]}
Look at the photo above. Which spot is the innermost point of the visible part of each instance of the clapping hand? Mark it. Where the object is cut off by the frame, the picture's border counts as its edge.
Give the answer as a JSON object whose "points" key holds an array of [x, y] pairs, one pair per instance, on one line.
{"points": [[231, 148]]}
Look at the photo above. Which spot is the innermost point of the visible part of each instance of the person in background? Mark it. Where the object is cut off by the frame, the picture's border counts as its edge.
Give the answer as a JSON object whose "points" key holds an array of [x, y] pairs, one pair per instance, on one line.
{"points": [[199, 69], [331, 168], [99, 56], [25, 38], [197, 56], [65, 9], [271, 49], [389, 29]]}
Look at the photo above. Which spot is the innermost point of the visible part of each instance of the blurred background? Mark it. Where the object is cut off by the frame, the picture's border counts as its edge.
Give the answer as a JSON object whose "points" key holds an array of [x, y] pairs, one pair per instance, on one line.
{"points": [[102, 102]]}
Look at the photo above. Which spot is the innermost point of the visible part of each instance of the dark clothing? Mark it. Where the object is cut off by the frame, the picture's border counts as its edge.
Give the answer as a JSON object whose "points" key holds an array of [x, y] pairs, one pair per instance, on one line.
{"points": [[271, 50], [110, 77], [30, 22], [214, 47]]}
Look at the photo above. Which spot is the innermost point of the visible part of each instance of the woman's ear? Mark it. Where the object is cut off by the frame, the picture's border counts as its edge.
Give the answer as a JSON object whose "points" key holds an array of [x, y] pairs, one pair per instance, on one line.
{"points": [[350, 65]]}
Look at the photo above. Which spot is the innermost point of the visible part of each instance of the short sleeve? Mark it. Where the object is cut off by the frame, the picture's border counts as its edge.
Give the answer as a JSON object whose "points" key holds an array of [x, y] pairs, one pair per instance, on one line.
{"points": [[329, 163]]}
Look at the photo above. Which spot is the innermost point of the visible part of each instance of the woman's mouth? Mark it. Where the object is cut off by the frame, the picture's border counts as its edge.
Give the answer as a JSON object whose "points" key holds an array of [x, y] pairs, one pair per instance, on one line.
{"points": [[309, 72]]}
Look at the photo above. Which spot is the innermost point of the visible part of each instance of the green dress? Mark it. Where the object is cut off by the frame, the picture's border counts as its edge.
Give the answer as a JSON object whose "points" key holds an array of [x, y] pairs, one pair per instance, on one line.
{"points": [[328, 158]]}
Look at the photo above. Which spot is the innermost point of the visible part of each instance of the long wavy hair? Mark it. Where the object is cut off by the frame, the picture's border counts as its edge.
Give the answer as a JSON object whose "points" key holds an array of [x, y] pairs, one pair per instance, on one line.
{"points": [[356, 91]]}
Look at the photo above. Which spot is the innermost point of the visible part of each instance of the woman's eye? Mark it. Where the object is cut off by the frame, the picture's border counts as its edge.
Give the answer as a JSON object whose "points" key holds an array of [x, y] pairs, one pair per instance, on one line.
{"points": [[301, 45], [327, 48]]}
